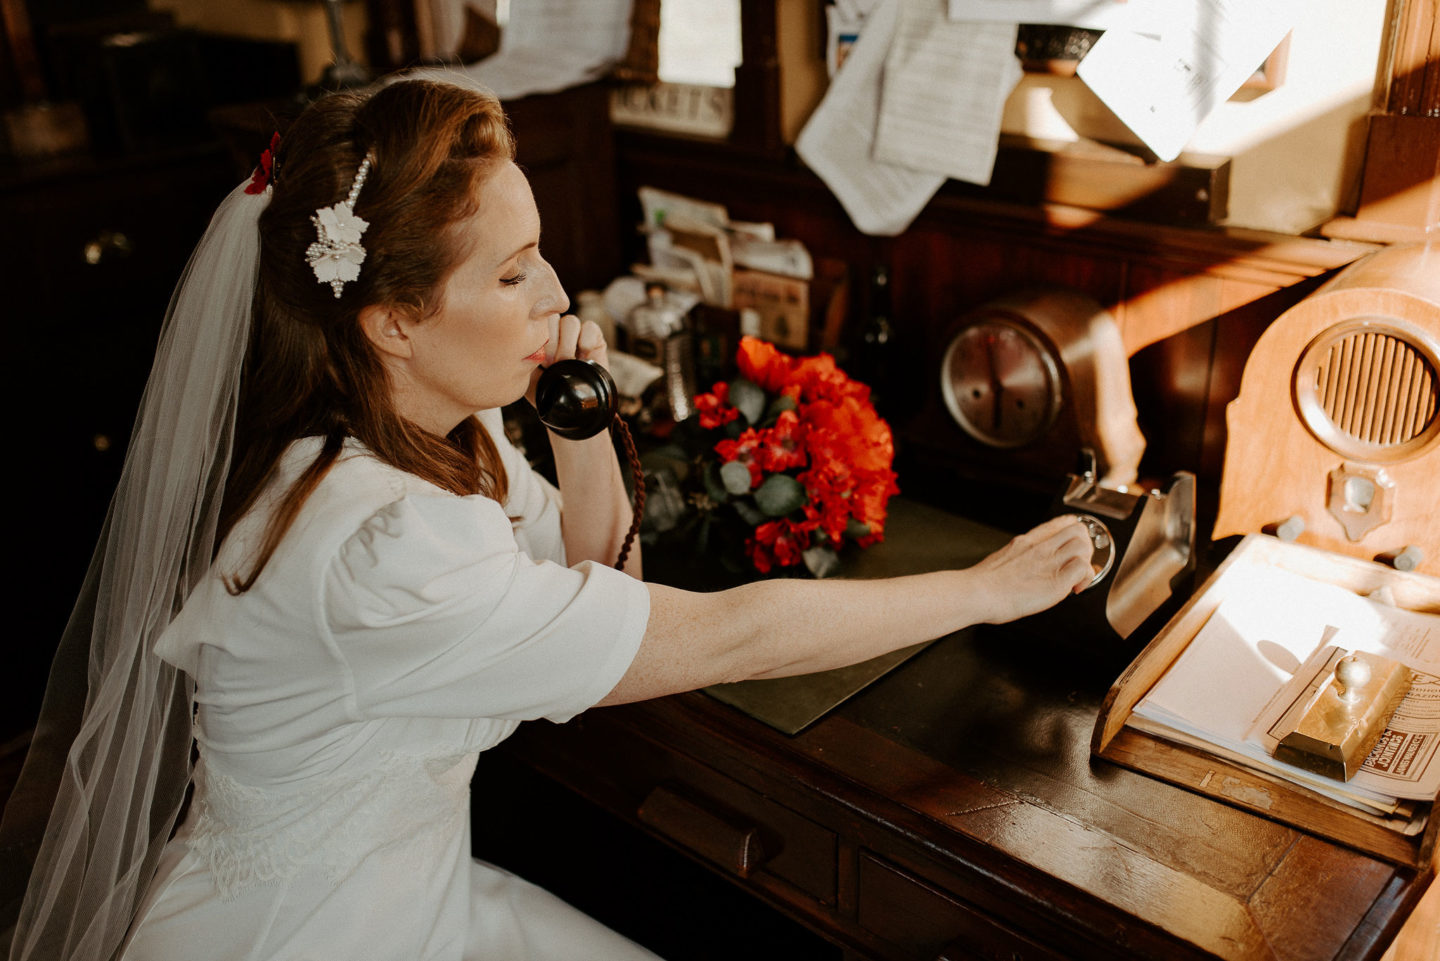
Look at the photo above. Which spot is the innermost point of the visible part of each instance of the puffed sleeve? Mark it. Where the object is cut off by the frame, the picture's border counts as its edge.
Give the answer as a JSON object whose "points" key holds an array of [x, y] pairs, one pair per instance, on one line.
{"points": [[436, 612]]}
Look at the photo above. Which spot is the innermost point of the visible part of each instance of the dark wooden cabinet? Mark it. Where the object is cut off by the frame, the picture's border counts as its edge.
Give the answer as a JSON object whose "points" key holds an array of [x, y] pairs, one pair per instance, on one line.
{"points": [[91, 250]]}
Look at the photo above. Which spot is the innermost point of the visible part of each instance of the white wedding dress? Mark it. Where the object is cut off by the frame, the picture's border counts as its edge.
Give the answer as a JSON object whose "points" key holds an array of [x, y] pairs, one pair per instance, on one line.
{"points": [[342, 702]]}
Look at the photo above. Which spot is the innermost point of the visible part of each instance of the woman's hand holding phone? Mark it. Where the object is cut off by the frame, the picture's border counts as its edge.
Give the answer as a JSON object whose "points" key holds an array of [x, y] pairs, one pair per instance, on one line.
{"points": [[570, 337]]}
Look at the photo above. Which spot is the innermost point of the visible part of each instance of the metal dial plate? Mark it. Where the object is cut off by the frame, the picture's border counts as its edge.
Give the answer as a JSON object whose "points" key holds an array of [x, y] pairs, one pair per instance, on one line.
{"points": [[1102, 557]]}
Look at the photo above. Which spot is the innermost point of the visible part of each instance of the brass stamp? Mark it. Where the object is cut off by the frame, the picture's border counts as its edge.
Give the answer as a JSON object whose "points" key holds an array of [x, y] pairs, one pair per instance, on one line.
{"points": [[1334, 724]]}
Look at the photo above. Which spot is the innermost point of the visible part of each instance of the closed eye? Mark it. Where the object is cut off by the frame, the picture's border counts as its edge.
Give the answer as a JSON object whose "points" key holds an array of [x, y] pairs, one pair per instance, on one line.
{"points": [[514, 280]]}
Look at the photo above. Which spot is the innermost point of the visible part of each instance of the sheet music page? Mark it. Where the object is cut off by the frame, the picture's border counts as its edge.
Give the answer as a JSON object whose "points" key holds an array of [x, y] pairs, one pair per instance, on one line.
{"points": [[1220, 687], [944, 91], [1162, 88], [1137, 15], [881, 198]]}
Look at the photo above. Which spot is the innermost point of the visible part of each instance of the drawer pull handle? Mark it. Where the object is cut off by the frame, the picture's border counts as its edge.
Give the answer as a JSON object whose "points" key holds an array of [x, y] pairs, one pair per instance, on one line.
{"points": [[717, 837]]}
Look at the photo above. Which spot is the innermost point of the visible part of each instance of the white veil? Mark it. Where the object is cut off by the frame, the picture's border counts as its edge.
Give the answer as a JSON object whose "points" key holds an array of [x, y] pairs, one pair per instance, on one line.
{"points": [[110, 761]]}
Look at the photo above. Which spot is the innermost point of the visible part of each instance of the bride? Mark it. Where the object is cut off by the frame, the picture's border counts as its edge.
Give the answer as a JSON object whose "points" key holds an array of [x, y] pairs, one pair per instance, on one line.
{"points": [[333, 583]]}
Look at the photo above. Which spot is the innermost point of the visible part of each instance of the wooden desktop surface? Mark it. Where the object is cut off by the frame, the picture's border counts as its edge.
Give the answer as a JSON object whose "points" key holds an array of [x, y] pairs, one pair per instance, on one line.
{"points": [[952, 810]]}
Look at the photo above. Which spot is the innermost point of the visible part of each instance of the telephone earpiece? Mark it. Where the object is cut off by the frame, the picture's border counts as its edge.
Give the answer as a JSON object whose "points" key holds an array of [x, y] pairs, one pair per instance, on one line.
{"points": [[577, 399]]}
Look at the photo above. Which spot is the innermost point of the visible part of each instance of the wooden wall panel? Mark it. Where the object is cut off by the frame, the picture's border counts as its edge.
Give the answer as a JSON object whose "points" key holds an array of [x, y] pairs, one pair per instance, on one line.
{"points": [[1190, 302]]}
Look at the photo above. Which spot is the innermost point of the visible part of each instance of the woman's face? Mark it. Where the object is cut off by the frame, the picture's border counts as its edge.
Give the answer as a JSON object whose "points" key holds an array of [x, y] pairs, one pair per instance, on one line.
{"points": [[481, 349]]}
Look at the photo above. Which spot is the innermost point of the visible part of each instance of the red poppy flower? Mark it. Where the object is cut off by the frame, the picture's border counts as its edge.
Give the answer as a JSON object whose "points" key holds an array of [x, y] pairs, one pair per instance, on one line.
{"points": [[714, 408], [820, 379], [831, 441], [780, 446], [761, 362], [744, 449], [779, 543]]}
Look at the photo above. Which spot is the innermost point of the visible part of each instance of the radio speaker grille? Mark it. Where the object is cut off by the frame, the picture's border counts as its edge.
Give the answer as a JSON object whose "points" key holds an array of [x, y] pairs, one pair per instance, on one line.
{"points": [[1370, 391]]}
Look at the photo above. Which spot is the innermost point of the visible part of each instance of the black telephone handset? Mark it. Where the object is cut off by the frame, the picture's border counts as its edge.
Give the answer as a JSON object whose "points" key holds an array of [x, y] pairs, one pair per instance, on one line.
{"points": [[577, 399]]}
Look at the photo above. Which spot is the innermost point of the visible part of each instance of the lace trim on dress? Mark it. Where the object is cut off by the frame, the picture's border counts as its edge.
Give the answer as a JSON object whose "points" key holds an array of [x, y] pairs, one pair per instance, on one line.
{"points": [[252, 836]]}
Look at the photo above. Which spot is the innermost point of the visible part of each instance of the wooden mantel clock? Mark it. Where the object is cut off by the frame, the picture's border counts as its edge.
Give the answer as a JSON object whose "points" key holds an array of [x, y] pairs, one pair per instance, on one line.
{"points": [[1033, 377]]}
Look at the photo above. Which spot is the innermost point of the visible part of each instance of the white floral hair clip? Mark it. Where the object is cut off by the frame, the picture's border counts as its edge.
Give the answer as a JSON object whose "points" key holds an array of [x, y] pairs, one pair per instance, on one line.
{"points": [[336, 257]]}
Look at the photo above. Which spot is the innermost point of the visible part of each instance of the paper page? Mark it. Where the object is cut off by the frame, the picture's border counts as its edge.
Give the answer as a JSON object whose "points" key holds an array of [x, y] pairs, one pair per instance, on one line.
{"points": [[855, 9], [1163, 88], [1250, 647], [682, 262], [656, 205], [597, 28], [548, 46], [520, 72], [881, 198], [1137, 15], [787, 258], [700, 40], [944, 92], [750, 230], [702, 246]]}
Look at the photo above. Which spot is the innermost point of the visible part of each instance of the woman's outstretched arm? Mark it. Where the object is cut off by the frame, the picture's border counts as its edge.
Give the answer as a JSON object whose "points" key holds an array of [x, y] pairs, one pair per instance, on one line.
{"points": [[782, 627]]}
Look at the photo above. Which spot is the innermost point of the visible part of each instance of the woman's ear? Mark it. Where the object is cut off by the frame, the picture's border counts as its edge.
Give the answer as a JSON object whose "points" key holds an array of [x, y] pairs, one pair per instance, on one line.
{"points": [[386, 329]]}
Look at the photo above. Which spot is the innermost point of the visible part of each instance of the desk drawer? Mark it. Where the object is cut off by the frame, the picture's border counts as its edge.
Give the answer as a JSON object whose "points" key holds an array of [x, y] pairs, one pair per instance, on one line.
{"points": [[731, 825], [927, 923], [741, 832]]}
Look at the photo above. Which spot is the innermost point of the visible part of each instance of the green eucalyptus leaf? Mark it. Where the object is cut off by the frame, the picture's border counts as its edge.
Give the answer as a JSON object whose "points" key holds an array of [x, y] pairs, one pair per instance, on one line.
{"points": [[671, 458], [749, 513], [821, 561], [736, 478], [714, 486], [779, 495], [665, 452], [749, 398], [856, 529], [779, 406]]}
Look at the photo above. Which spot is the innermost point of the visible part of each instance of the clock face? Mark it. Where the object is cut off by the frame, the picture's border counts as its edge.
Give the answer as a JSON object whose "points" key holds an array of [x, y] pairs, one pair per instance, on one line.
{"points": [[1001, 383]]}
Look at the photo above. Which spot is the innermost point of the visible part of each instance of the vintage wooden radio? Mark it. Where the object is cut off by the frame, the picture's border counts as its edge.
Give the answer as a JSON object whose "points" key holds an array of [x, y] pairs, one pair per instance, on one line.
{"points": [[1332, 474]]}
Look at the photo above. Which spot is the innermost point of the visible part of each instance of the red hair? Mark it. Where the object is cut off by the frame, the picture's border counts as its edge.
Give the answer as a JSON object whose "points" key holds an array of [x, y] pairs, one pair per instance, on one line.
{"points": [[309, 369]]}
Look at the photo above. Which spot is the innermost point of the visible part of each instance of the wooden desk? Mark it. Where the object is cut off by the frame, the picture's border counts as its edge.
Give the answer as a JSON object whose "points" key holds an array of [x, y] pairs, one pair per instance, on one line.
{"points": [[952, 811]]}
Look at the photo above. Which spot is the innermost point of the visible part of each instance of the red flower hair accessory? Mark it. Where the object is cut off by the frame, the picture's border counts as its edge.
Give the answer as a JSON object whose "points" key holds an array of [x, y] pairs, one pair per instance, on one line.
{"points": [[265, 172]]}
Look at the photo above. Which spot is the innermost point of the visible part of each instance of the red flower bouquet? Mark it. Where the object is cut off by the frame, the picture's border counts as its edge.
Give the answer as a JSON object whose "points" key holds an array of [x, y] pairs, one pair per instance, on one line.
{"points": [[794, 457]]}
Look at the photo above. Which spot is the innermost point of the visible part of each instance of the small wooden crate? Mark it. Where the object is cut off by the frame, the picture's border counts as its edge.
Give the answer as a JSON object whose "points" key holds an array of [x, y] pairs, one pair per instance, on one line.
{"points": [[1267, 795]]}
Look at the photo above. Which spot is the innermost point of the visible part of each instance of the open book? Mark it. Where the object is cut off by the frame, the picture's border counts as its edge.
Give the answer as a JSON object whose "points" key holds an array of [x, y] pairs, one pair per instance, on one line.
{"points": [[1223, 693]]}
